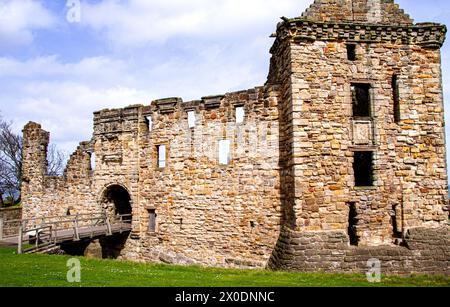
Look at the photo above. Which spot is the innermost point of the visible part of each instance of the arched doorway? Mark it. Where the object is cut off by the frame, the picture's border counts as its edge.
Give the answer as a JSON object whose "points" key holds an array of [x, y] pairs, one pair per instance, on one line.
{"points": [[115, 201]]}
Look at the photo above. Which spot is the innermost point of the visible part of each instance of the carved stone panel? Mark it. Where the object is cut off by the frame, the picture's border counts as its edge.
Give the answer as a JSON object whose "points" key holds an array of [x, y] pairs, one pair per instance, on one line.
{"points": [[362, 132], [114, 152]]}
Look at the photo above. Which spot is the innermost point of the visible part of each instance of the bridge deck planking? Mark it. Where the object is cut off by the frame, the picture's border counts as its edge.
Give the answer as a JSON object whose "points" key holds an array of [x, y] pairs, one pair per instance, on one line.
{"points": [[50, 232]]}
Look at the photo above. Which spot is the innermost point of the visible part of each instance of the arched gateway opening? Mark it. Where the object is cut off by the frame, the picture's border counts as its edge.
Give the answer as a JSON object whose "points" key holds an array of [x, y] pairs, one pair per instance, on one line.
{"points": [[116, 201]]}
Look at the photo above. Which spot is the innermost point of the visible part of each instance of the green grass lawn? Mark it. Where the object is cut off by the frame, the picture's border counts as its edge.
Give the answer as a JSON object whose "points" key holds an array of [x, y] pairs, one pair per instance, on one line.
{"points": [[45, 270]]}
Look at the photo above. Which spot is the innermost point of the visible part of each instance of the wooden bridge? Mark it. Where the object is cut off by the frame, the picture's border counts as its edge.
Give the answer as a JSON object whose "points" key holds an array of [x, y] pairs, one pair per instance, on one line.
{"points": [[46, 233]]}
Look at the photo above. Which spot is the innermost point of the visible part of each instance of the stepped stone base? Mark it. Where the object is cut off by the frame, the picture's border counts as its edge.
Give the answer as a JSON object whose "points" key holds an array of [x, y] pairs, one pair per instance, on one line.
{"points": [[424, 251]]}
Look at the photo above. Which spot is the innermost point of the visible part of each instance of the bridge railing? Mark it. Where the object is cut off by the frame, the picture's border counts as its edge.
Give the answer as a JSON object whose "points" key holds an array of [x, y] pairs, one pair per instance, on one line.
{"points": [[44, 231], [123, 221], [42, 238], [63, 221]]}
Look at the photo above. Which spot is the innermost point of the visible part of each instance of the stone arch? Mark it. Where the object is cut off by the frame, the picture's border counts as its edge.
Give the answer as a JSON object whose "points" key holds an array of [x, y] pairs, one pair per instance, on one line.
{"points": [[116, 199]]}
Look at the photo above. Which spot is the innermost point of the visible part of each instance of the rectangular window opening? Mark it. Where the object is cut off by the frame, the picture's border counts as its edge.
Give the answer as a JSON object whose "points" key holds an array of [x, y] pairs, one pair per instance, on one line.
{"points": [[352, 224], [93, 161], [351, 52], [240, 115], [152, 220], [361, 100], [224, 152], [397, 234], [396, 98], [363, 169], [161, 156], [191, 119], [149, 122]]}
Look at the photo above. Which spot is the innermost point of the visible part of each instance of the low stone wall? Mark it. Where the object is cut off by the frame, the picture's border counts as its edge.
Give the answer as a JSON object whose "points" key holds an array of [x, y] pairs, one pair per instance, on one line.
{"points": [[7, 215], [425, 251]]}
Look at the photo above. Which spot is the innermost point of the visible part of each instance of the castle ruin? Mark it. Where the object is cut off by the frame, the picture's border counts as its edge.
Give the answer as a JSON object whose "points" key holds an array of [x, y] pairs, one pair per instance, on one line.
{"points": [[339, 158]]}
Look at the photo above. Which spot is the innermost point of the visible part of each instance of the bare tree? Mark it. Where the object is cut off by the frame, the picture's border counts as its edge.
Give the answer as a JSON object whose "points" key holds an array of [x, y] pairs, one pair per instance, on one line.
{"points": [[56, 161], [11, 162]]}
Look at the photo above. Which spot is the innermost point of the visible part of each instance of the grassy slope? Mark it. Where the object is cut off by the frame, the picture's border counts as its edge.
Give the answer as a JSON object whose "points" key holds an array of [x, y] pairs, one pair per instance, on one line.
{"points": [[43, 270]]}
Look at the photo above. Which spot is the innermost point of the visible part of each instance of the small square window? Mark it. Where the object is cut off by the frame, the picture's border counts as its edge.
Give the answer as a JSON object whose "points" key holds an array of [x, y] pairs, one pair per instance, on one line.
{"points": [[161, 156], [240, 115], [191, 119], [224, 152]]}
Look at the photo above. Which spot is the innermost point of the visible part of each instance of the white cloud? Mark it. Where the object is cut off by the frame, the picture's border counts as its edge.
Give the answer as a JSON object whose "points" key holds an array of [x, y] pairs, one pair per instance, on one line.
{"points": [[18, 20], [101, 70], [63, 95], [65, 108], [138, 22]]}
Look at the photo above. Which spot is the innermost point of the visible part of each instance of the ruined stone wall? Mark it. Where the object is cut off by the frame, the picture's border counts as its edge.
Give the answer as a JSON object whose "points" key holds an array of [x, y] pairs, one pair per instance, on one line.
{"points": [[357, 11], [117, 153], [34, 169], [224, 215], [8, 221], [106, 160], [8, 214], [43, 195]]}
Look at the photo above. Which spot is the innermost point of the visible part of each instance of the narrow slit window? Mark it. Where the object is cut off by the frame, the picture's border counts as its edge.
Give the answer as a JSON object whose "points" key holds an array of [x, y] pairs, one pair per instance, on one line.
{"points": [[152, 221], [396, 98], [161, 156], [93, 161], [351, 52], [240, 115], [149, 122], [352, 224], [191, 119], [396, 230], [224, 152], [361, 100], [363, 169]]}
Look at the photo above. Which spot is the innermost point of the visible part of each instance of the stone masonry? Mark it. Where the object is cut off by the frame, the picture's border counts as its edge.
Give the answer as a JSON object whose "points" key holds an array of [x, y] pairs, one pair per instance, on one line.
{"points": [[9, 221], [337, 159]]}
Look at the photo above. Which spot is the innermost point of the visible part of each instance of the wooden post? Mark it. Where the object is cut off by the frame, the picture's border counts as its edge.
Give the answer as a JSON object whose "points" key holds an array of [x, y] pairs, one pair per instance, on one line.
{"points": [[19, 243], [76, 233], [38, 237], [92, 228], [108, 226], [1, 228], [50, 238]]}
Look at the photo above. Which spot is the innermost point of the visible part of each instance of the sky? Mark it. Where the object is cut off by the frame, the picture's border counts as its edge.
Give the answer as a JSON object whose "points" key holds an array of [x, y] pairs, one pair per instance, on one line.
{"points": [[62, 60]]}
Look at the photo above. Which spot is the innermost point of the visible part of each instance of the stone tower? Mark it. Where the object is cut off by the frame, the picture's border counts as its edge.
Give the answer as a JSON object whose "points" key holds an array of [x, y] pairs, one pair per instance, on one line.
{"points": [[34, 167], [363, 150]]}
